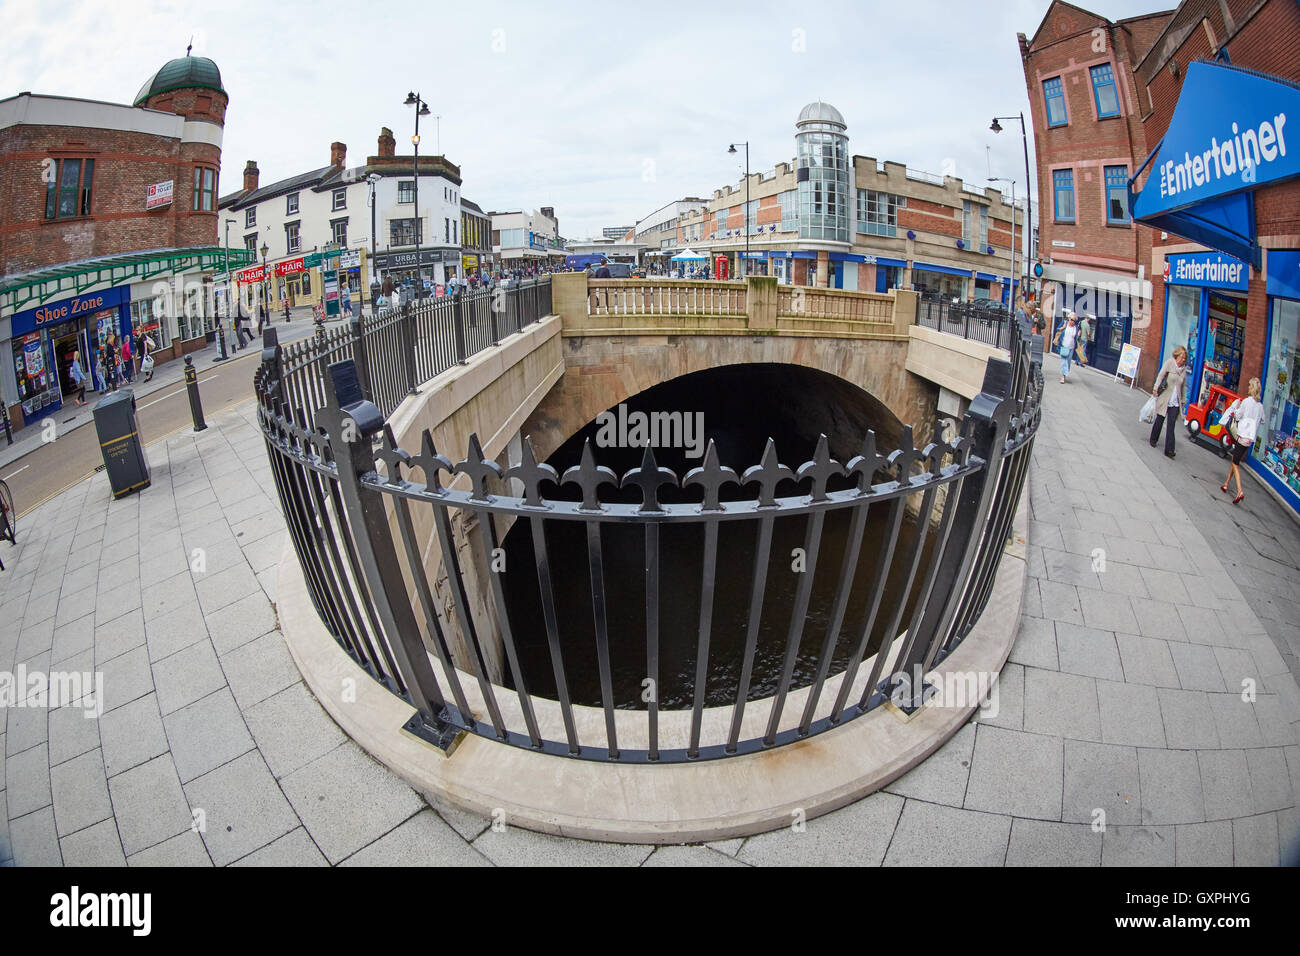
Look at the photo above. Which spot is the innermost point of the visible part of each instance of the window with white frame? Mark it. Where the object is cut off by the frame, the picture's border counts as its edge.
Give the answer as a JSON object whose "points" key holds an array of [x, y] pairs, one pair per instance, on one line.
{"points": [[406, 190], [339, 229], [340, 198], [291, 204], [878, 212], [292, 236], [250, 217]]}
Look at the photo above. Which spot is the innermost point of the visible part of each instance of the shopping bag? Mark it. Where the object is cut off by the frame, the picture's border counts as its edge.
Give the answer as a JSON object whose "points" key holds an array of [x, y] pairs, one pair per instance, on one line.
{"points": [[1148, 413], [146, 364]]}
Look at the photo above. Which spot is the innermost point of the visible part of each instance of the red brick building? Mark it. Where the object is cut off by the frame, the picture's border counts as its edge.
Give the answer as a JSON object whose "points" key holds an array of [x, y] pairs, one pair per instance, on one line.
{"points": [[1089, 137], [105, 207]]}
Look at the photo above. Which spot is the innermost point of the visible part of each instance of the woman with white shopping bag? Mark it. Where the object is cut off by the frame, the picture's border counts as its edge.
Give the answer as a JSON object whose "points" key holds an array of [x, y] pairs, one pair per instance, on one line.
{"points": [[1247, 414]]}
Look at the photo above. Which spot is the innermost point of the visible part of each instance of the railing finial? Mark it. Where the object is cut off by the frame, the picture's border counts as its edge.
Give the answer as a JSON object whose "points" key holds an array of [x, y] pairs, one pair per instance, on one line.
{"points": [[479, 468], [532, 474], [430, 462], [821, 469], [768, 473], [711, 476], [589, 476], [649, 477]]}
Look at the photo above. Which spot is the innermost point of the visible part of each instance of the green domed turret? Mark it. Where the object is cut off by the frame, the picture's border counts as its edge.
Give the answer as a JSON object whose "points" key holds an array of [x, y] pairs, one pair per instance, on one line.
{"points": [[181, 73]]}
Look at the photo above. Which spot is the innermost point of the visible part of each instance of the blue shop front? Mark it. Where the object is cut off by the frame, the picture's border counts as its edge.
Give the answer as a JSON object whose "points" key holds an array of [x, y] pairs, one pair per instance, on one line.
{"points": [[45, 338], [1227, 144]]}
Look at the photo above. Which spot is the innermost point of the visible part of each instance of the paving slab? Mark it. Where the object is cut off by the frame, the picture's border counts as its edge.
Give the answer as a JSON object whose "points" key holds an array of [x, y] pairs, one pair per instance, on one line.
{"points": [[931, 835], [856, 835]]}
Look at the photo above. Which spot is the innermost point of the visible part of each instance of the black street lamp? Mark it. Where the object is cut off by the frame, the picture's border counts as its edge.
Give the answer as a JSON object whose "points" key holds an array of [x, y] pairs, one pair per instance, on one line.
{"points": [[732, 149], [421, 109], [266, 302], [1029, 192]]}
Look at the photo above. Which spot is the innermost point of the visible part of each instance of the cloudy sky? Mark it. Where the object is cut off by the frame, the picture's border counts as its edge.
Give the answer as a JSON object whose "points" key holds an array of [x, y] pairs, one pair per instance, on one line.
{"points": [[604, 111]]}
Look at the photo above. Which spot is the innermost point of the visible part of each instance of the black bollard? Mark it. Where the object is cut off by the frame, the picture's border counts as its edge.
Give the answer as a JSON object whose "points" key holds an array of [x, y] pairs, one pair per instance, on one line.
{"points": [[192, 386], [221, 342]]}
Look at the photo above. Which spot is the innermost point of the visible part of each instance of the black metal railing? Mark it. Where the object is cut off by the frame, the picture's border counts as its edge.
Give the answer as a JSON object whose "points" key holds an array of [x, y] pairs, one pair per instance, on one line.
{"points": [[398, 349], [979, 322], [400, 550]]}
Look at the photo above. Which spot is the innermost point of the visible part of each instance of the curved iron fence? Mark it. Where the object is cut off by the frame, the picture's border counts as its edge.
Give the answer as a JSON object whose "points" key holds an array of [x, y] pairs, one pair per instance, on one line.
{"points": [[398, 550]]}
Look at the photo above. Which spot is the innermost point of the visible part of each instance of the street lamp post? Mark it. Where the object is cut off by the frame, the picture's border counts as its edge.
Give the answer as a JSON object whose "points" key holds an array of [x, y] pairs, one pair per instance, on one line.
{"points": [[1011, 293], [732, 149], [421, 109], [266, 302], [221, 351], [372, 180], [1029, 190]]}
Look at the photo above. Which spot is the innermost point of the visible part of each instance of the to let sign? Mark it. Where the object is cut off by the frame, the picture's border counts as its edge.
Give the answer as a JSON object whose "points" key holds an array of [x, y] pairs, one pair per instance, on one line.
{"points": [[160, 194]]}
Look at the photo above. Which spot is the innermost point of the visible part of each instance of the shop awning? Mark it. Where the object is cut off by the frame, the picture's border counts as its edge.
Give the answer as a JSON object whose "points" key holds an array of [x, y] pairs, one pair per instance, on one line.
{"points": [[943, 270], [74, 278], [1227, 137]]}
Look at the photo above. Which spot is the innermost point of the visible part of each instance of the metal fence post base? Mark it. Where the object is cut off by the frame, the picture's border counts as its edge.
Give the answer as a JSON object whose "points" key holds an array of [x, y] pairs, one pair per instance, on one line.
{"points": [[437, 733]]}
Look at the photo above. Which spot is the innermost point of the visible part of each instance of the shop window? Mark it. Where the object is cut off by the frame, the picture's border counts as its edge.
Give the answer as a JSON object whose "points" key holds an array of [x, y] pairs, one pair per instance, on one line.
{"points": [[250, 217], [291, 204], [1117, 195], [340, 198], [67, 188], [1278, 443], [1103, 90], [1063, 187], [205, 189], [406, 190], [1054, 95]]}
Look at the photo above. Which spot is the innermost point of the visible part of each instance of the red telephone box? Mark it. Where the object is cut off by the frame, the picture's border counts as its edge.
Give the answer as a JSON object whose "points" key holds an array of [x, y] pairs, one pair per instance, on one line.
{"points": [[721, 268]]}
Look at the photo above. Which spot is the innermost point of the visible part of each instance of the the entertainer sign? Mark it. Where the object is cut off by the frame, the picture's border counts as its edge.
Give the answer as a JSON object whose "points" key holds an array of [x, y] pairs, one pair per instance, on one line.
{"points": [[1232, 130]]}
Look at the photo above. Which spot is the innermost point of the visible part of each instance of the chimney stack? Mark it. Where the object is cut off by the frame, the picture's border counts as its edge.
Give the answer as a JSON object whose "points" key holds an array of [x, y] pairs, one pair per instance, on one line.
{"points": [[338, 154], [387, 144], [250, 176]]}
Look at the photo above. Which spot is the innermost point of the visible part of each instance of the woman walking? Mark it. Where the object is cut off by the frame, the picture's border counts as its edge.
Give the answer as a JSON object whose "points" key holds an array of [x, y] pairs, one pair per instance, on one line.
{"points": [[1064, 342], [78, 378], [1248, 414], [1171, 394]]}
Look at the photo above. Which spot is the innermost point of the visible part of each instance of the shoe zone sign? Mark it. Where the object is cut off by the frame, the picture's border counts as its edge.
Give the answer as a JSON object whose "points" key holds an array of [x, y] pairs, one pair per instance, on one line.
{"points": [[1232, 131]]}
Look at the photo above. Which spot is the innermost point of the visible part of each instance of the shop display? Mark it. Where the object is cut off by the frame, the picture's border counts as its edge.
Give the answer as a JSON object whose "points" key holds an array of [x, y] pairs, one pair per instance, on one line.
{"points": [[1281, 440]]}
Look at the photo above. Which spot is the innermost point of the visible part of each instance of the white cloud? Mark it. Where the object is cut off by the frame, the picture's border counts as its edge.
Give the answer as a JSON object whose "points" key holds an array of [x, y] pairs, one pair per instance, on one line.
{"points": [[578, 99]]}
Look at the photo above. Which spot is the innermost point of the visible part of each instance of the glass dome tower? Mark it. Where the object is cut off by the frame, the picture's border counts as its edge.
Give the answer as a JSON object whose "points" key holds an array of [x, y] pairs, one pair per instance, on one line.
{"points": [[822, 173]]}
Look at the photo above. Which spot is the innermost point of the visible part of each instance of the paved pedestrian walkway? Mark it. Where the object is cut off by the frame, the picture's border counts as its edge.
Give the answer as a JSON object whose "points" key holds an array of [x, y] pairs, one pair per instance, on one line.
{"points": [[1146, 716]]}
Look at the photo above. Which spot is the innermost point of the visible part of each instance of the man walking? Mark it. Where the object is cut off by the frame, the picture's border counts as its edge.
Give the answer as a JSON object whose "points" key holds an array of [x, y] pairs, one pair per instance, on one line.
{"points": [[1085, 336]]}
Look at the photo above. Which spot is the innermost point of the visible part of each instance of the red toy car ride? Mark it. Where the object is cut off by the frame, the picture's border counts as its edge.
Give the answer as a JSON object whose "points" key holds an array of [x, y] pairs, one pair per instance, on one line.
{"points": [[1203, 419]]}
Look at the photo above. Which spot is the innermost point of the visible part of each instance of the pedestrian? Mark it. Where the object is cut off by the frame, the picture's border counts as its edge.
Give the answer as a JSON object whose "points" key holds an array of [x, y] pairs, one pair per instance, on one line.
{"points": [[128, 366], [1038, 321], [1064, 341], [347, 299], [78, 378], [100, 371], [110, 362], [603, 273], [146, 355], [1170, 393], [1247, 414], [286, 309], [1085, 337], [261, 316]]}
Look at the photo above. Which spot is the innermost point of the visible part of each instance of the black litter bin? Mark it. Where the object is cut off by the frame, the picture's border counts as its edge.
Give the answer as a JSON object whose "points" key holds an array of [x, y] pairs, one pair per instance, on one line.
{"points": [[119, 440]]}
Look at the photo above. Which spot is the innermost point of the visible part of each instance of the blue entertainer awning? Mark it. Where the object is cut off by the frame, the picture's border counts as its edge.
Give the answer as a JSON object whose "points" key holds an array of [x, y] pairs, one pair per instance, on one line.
{"points": [[1227, 137], [944, 270]]}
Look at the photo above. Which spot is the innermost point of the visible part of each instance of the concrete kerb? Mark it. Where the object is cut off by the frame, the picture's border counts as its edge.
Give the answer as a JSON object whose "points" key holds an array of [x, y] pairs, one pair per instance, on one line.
{"points": [[682, 803]]}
